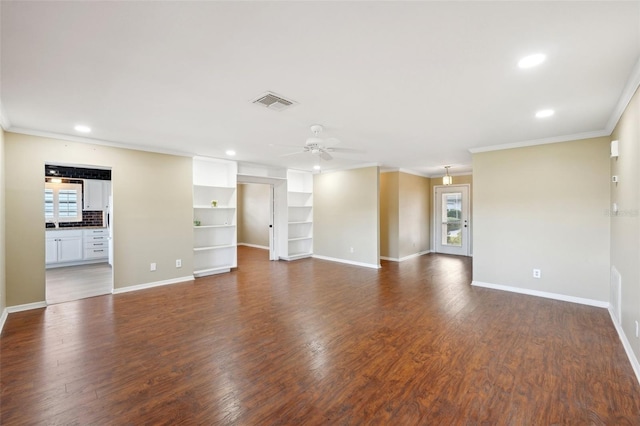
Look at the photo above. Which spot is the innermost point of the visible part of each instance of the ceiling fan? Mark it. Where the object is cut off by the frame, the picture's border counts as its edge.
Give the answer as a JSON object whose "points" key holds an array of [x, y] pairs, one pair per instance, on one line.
{"points": [[321, 147]]}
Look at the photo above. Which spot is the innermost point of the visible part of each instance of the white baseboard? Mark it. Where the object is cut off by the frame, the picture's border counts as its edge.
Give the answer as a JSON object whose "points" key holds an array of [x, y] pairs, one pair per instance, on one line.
{"points": [[402, 259], [349, 262], [19, 308], [627, 345], [26, 307], [152, 284], [254, 246], [3, 318], [555, 296]]}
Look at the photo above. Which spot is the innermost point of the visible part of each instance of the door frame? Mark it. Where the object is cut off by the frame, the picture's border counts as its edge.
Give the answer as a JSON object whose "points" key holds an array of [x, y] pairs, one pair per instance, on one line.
{"points": [[275, 213], [469, 210], [110, 227]]}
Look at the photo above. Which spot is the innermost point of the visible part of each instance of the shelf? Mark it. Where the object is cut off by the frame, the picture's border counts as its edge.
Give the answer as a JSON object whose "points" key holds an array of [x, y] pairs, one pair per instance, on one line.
{"points": [[213, 208], [211, 271], [229, 188], [214, 248], [305, 222], [300, 238], [300, 207], [198, 249], [298, 255], [300, 192]]}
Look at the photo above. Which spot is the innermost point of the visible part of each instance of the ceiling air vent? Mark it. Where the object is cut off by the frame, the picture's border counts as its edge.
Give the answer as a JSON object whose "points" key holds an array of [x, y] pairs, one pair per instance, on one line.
{"points": [[273, 101]]}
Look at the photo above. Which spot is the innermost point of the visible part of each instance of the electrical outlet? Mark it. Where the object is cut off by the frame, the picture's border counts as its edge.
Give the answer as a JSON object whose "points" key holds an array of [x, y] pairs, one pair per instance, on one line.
{"points": [[536, 273], [351, 249], [178, 263], [152, 267]]}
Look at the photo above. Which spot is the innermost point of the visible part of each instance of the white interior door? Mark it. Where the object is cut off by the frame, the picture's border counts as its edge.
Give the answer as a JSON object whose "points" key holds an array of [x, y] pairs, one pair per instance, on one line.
{"points": [[451, 217]]}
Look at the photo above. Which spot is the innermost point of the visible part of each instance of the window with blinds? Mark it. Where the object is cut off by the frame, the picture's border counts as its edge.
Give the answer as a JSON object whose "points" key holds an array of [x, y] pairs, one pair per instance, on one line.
{"points": [[62, 202]]}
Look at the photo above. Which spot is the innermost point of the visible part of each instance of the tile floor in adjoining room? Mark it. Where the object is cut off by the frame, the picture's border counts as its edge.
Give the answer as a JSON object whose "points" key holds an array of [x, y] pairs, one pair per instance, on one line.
{"points": [[78, 282]]}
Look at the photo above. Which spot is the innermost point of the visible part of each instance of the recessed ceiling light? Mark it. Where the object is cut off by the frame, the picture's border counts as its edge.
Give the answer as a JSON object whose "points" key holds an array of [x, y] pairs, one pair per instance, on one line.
{"points": [[316, 167], [544, 113], [532, 60], [82, 129], [230, 152]]}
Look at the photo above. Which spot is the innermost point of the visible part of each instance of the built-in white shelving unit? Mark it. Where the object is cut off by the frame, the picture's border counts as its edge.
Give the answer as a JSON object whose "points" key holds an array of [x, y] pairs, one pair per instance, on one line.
{"points": [[214, 216], [300, 214]]}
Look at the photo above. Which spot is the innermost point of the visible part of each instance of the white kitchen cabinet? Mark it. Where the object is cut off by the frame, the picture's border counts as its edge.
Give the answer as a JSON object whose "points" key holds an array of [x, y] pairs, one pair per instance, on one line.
{"points": [[96, 244], [51, 250], [63, 246], [106, 193], [92, 198], [95, 194], [69, 249]]}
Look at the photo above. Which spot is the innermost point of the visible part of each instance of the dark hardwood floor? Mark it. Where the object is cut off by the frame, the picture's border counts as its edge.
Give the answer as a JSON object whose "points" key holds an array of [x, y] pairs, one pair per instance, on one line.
{"points": [[314, 342]]}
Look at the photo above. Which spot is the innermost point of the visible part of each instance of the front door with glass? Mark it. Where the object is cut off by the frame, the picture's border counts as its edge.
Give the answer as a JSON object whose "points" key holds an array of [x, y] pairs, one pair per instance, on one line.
{"points": [[452, 219]]}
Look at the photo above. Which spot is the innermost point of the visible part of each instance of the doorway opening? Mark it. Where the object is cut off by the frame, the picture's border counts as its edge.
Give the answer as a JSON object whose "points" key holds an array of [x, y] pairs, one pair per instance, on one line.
{"points": [[452, 220], [78, 207], [276, 207], [255, 217]]}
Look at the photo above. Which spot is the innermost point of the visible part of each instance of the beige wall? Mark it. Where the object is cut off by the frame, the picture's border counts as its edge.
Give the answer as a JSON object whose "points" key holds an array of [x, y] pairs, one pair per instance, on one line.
{"points": [[414, 196], [346, 214], [389, 225], [152, 203], [544, 207], [253, 214], [625, 226], [404, 214], [3, 288]]}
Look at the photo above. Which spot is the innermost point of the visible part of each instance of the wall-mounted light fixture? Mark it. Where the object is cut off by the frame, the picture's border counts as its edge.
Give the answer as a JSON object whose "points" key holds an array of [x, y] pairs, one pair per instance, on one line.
{"points": [[614, 149], [446, 179]]}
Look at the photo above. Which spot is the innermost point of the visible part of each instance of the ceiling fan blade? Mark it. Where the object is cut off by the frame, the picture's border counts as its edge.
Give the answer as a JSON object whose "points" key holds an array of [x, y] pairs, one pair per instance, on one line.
{"points": [[287, 146], [352, 150], [332, 141], [325, 155], [292, 153]]}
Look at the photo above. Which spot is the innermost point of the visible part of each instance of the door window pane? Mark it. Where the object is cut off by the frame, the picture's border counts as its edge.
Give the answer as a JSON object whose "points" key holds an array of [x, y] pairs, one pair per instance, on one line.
{"points": [[452, 219]]}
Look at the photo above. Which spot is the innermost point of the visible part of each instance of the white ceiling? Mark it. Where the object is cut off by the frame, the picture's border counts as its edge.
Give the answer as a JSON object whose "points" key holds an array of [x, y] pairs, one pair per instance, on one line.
{"points": [[414, 84]]}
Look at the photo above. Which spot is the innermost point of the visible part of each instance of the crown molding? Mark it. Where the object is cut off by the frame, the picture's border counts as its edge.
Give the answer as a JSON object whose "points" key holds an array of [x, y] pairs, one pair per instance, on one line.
{"points": [[80, 139], [633, 82], [386, 169], [342, 169], [413, 172], [439, 176], [543, 141]]}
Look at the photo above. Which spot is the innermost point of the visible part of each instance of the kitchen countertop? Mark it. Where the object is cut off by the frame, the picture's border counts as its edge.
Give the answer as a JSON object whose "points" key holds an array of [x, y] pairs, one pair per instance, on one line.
{"points": [[75, 228]]}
